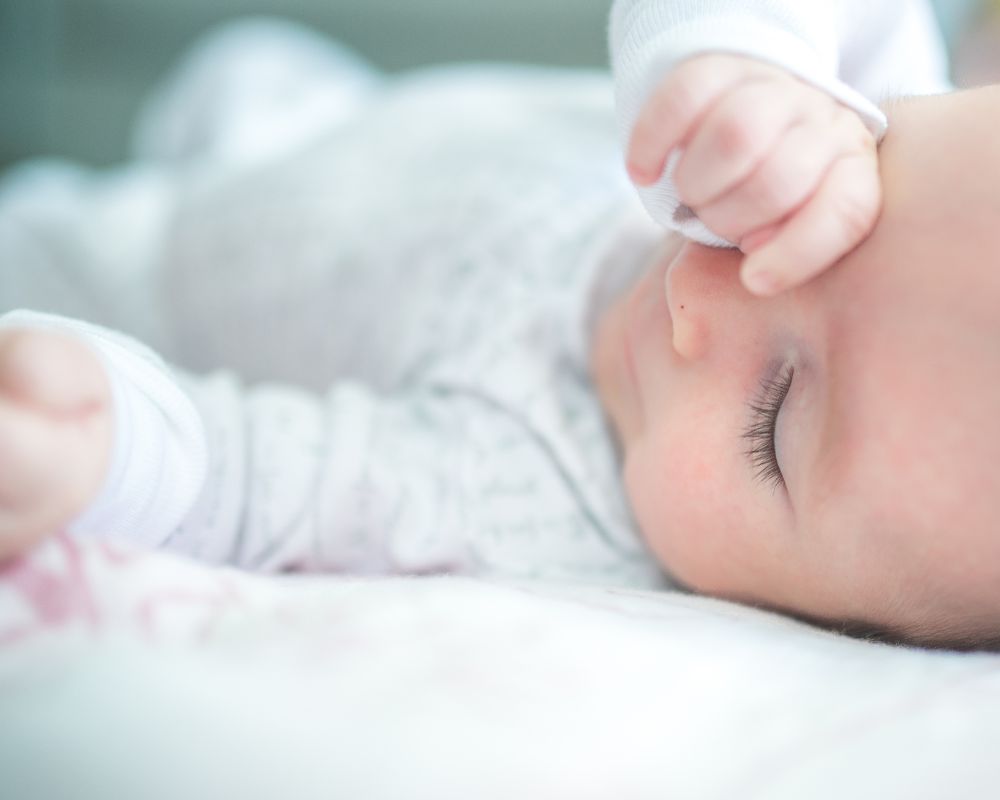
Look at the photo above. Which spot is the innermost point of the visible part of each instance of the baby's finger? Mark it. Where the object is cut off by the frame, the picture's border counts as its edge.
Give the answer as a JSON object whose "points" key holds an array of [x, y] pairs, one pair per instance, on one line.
{"points": [[674, 108], [831, 224], [760, 237], [786, 179], [734, 138]]}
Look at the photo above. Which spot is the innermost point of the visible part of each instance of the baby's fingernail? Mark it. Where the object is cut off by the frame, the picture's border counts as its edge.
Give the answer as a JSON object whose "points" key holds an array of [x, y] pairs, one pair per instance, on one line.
{"points": [[762, 281]]}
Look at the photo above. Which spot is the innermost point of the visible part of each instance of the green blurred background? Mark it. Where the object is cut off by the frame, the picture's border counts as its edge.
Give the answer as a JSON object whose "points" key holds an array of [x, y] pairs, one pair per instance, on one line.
{"points": [[72, 71]]}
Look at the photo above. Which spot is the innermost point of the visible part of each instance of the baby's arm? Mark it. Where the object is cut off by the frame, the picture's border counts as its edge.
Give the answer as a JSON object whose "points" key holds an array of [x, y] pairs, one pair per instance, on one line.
{"points": [[346, 481], [799, 54], [266, 478], [94, 435]]}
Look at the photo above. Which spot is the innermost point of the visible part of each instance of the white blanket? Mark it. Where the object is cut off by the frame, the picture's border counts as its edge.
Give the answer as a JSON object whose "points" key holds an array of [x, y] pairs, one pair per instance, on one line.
{"points": [[130, 675]]}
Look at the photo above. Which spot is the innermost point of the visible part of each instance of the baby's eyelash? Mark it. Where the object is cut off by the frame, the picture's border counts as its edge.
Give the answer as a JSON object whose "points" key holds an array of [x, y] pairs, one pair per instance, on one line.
{"points": [[759, 433]]}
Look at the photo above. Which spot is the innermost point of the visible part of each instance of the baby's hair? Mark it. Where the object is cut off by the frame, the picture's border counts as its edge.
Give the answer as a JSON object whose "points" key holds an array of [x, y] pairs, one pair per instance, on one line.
{"points": [[928, 638], [942, 639]]}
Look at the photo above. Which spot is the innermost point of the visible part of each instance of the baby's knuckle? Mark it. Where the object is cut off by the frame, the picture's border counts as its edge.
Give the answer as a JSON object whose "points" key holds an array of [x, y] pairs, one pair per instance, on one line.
{"points": [[695, 71], [734, 136], [675, 100], [819, 106], [856, 212], [775, 189], [685, 87], [844, 118], [852, 132]]}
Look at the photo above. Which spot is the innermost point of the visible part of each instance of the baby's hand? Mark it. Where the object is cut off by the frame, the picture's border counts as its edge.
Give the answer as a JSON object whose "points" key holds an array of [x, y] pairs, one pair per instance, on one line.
{"points": [[55, 434], [769, 163]]}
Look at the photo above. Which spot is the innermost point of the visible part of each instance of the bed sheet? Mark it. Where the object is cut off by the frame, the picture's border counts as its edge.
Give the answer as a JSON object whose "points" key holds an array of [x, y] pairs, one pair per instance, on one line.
{"points": [[126, 674]]}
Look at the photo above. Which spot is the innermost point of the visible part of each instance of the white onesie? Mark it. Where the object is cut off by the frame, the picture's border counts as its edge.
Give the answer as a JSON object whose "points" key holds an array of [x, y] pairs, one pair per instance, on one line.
{"points": [[408, 300]]}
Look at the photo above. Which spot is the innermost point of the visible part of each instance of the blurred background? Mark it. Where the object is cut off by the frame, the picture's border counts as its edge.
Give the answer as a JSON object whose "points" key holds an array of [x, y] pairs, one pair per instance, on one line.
{"points": [[72, 72]]}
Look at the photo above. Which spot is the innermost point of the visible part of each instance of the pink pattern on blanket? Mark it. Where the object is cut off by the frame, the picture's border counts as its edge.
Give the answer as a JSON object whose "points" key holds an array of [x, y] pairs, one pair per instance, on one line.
{"points": [[56, 594], [80, 592], [209, 605], [89, 586]]}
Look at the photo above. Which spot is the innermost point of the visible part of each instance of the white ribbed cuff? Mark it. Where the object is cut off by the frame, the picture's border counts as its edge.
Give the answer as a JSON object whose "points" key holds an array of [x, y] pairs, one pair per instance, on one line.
{"points": [[748, 36]]}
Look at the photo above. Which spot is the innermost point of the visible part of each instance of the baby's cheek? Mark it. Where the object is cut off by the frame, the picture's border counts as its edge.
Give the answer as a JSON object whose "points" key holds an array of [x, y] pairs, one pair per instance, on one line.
{"points": [[674, 487]]}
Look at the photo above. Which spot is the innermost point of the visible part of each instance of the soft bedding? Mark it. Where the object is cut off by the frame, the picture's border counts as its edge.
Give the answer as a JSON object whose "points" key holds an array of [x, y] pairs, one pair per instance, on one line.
{"points": [[130, 674]]}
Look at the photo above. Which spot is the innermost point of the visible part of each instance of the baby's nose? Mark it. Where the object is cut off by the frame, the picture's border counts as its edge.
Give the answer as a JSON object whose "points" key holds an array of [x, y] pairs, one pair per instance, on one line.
{"points": [[701, 284], [690, 334]]}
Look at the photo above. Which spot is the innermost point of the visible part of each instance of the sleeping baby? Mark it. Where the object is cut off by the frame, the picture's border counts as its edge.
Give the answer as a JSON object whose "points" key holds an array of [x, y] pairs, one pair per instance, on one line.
{"points": [[440, 334]]}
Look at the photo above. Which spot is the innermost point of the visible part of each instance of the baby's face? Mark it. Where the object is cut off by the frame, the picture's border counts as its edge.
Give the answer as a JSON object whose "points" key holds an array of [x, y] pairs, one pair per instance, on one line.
{"points": [[834, 451]]}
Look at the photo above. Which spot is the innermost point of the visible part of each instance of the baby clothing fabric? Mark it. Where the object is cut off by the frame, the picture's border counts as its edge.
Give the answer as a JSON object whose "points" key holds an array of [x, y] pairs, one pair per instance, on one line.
{"points": [[409, 321], [407, 297]]}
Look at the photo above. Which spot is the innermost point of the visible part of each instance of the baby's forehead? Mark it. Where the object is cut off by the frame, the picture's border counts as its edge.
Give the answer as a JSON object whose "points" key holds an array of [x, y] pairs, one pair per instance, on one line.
{"points": [[940, 165]]}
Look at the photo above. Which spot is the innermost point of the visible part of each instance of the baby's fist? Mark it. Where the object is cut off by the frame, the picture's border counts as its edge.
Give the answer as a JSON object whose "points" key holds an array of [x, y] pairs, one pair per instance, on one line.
{"points": [[770, 163]]}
